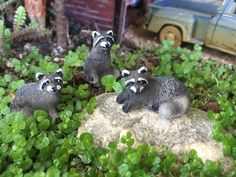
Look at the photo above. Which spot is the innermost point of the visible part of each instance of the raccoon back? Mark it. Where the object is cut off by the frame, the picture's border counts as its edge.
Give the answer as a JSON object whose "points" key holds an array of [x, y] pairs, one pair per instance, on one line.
{"points": [[31, 95], [163, 89]]}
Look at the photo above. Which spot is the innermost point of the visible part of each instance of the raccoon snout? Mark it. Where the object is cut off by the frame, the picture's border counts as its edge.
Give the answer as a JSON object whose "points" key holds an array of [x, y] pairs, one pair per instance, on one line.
{"points": [[54, 89], [105, 44], [135, 90], [138, 90]]}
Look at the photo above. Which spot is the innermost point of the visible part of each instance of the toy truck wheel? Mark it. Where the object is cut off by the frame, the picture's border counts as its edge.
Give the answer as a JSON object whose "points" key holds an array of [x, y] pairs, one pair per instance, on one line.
{"points": [[171, 32]]}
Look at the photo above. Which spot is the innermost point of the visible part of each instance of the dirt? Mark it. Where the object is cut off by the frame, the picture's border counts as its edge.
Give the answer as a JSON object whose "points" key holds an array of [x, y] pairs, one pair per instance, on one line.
{"points": [[139, 37]]}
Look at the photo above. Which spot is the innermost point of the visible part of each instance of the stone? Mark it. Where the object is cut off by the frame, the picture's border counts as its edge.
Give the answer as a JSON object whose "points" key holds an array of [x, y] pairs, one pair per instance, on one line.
{"points": [[190, 131]]}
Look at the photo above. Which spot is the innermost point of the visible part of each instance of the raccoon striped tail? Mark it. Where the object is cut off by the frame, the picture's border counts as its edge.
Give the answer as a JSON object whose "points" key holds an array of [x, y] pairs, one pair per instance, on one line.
{"points": [[17, 103], [13, 106], [175, 108]]}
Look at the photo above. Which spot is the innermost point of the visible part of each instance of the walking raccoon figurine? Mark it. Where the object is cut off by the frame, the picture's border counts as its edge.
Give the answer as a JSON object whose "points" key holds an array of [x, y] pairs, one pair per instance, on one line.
{"points": [[98, 62], [43, 95], [162, 94]]}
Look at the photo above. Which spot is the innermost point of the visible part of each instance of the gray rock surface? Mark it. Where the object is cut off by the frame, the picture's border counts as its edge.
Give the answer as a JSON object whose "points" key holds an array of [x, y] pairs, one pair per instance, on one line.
{"points": [[190, 131]]}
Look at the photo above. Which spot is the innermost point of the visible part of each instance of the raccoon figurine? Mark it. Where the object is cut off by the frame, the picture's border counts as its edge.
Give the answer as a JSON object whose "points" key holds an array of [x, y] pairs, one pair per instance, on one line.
{"points": [[98, 62], [165, 95], [43, 95]]}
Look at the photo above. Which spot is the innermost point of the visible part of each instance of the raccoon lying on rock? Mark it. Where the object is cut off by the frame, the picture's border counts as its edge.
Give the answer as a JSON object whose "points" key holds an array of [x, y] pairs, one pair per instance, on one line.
{"points": [[98, 62], [163, 94], [43, 95]]}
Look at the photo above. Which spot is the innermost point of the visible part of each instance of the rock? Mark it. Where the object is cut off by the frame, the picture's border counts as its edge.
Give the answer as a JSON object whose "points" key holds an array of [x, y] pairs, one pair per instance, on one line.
{"points": [[190, 131], [56, 52], [56, 59], [27, 48], [9, 64]]}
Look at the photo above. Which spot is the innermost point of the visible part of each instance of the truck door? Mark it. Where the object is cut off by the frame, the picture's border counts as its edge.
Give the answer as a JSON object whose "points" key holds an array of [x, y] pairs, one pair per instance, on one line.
{"points": [[224, 36]]}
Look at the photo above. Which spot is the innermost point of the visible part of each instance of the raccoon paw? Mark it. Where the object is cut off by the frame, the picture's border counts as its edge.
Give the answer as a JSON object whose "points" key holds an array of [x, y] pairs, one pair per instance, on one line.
{"points": [[57, 121], [88, 78], [126, 107], [97, 85], [155, 107], [120, 99]]}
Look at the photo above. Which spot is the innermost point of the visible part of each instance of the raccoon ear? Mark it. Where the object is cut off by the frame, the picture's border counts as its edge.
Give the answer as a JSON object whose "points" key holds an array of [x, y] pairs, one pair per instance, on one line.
{"points": [[59, 72], [39, 76], [142, 70], [110, 32], [125, 73], [95, 33]]}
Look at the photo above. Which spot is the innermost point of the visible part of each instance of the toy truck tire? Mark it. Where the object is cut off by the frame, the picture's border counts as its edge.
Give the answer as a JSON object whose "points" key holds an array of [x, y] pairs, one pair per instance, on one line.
{"points": [[171, 32]]}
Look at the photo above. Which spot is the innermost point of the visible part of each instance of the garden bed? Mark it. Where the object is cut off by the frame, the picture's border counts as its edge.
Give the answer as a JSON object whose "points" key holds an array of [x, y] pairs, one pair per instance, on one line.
{"points": [[34, 146]]}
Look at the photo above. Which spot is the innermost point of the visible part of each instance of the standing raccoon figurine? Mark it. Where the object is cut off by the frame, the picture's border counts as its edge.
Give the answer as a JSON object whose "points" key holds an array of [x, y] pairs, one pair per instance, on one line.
{"points": [[162, 94], [98, 62], [43, 95]]}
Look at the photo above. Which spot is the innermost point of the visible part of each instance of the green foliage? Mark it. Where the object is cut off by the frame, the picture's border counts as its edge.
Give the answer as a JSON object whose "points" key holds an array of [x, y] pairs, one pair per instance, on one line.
{"points": [[224, 125], [20, 31], [5, 38], [142, 160], [1, 34], [125, 61], [207, 82], [32, 63], [169, 161], [34, 146], [194, 167], [116, 162], [109, 81], [73, 60], [91, 105], [19, 18]]}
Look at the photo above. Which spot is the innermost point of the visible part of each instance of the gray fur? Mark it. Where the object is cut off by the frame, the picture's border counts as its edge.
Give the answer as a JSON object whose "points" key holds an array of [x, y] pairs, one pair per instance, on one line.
{"points": [[98, 62], [36, 96], [162, 94]]}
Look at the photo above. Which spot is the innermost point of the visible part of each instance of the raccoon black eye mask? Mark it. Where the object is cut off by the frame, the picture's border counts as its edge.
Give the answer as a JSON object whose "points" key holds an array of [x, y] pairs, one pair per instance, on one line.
{"points": [[163, 94], [44, 84], [129, 82]]}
